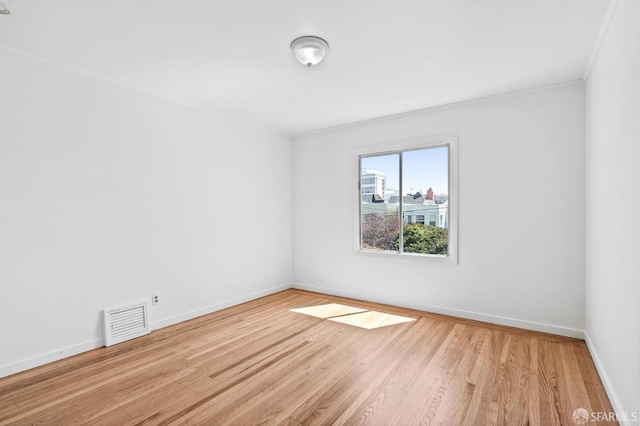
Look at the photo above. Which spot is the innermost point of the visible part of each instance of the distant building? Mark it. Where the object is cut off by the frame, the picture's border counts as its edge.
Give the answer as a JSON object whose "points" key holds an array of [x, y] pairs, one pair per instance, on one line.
{"points": [[428, 214], [377, 199], [417, 198], [430, 194], [416, 208], [440, 198], [372, 182], [390, 192]]}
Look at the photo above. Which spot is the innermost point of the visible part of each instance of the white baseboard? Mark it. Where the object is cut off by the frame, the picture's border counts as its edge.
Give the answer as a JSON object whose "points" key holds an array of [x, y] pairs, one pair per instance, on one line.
{"points": [[606, 382], [155, 325], [37, 361], [494, 319]]}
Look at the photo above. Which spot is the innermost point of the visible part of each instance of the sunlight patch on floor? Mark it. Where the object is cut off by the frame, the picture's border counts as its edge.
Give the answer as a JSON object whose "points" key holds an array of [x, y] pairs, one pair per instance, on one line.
{"points": [[371, 319], [328, 311], [352, 316]]}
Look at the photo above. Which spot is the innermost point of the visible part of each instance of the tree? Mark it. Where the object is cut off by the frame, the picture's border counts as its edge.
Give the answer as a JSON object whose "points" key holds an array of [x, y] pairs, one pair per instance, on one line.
{"points": [[425, 239], [380, 231]]}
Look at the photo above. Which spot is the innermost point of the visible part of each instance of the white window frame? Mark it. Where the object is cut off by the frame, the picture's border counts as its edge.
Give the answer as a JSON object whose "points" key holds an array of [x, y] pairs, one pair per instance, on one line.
{"points": [[394, 147]]}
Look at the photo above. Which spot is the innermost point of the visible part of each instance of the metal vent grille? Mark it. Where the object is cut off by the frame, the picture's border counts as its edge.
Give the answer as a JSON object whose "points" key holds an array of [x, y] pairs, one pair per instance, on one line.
{"points": [[125, 323]]}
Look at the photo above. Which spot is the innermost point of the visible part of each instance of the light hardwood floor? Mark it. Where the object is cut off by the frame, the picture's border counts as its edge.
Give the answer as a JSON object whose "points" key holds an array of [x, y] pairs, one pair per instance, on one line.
{"points": [[259, 363]]}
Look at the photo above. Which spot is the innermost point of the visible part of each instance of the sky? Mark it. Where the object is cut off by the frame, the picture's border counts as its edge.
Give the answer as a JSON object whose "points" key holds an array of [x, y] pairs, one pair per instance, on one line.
{"points": [[422, 169]]}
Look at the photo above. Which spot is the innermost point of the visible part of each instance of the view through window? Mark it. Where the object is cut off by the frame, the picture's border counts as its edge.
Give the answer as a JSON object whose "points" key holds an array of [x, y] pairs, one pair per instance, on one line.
{"points": [[404, 205]]}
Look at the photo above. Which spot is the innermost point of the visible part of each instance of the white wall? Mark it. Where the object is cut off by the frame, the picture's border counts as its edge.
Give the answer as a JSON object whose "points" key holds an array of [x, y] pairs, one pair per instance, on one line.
{"points": [[108, 195], [522, 152], [613, 207]]}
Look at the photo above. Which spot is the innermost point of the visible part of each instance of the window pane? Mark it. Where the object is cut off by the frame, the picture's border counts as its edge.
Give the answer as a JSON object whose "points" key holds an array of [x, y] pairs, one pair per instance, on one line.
{"points": [[425, 181], [380, 218]]}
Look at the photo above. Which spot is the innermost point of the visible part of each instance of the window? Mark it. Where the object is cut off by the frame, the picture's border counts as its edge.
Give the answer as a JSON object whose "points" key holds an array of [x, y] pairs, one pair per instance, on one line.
{"points": [[368, 181], [419, 218]]}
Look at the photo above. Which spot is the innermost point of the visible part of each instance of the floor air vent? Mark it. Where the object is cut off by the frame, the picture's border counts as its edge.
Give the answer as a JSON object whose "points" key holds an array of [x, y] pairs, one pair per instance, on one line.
{"points": [[125, 323]]}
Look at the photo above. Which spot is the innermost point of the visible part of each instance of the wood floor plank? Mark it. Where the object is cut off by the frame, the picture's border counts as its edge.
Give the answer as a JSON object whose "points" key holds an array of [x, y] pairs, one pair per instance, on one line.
{"points": [[289, 392], [261, 364]]}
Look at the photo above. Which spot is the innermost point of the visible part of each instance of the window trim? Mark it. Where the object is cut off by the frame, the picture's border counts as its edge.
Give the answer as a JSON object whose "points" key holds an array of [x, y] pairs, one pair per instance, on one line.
{"points": [[394, 147]]}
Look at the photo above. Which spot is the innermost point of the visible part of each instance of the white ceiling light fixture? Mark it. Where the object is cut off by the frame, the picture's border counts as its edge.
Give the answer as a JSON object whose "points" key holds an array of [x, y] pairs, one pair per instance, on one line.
{"points": [[309, 50], [4, 10]]}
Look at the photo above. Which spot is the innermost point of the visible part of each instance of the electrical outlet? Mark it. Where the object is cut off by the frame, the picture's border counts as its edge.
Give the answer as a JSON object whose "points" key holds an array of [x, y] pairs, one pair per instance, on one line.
{"points": [[155, 299]]}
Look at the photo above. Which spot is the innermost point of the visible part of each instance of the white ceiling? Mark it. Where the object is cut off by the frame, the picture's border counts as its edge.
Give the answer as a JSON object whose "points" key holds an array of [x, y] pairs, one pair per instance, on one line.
{"points": [[232, 57]]}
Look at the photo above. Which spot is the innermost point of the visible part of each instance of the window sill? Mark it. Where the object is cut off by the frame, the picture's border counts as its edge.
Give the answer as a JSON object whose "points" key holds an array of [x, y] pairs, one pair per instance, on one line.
{"points": [[427, 258]]}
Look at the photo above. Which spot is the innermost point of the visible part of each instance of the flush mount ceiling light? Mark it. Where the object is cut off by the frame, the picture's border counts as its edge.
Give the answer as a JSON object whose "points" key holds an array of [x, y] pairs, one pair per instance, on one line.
{"points": [[4, 10], [309, 50]]}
